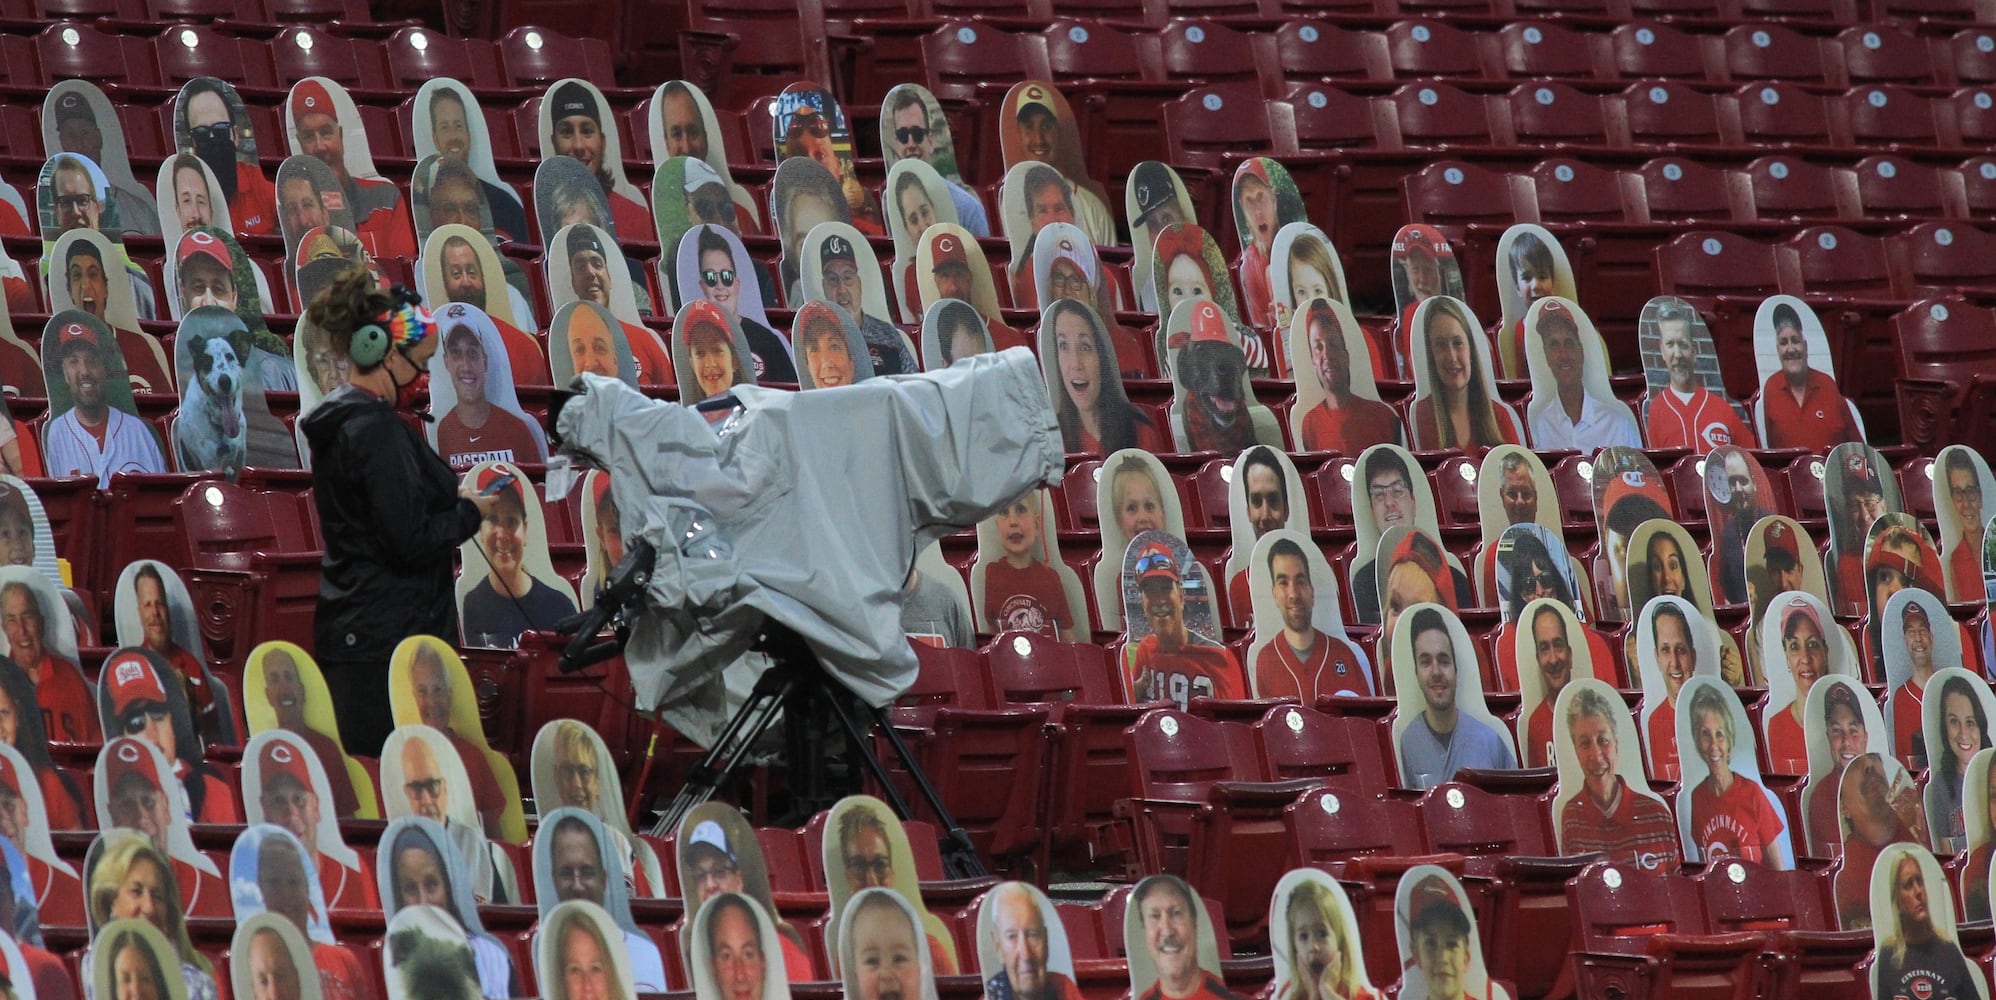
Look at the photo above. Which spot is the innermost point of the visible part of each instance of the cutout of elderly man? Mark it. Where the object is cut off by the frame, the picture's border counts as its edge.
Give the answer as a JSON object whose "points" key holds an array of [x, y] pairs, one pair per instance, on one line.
{"points": [[1800, 406], [383, 217], [288, 801], [430, 683], [428, 794], [284, 880], [1021, 930], [1686, 414], [65, 698], [1607, 815]]}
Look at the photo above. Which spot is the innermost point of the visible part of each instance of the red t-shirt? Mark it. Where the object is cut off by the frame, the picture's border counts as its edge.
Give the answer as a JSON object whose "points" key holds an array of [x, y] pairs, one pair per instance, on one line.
{"points": [[1965, 563], [69, 711], [1787, 750], [1332, 668], [1738, 823], [1026, 600], [1663, 743], [1351, 428], [1904, 703], [253, 211], [523, 354], [341, 975], [1178, 676], [348, 888], [485, 793], [1819, 422], [61, 810], [654, 364]]}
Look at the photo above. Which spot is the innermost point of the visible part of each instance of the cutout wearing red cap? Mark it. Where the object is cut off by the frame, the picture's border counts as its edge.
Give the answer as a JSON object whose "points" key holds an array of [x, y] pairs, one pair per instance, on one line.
{"points": [[1208, 323], [127, 756], [1156, 562], [311, 97], [73, 333], [947, 248], [280, 757], [1781, 538], [133, 681]]}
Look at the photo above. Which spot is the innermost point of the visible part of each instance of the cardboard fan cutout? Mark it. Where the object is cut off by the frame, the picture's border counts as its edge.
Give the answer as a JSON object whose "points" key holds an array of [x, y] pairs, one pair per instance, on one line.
{"points": [[1455, 390], [25, 536], [87, 281], [1021, 944], [44, 798], [711, 350], [1628, 491], [1065, 266], [1800, 646], [310, 197], [1019, 582], [1663, 562], [208, 268], [1213, 406], [952, 330], [580, 862], [866, 853], [917, 198], [1133, 494], [272, 954], [576, 121], [682, 123], [153, 609], [586, 337], [460, 266], [1843, 722], [1171, 650], [1396, 494], [1033, 196], [417, 852], [1035, 123], [1924, 639], [830, 346], [44, 643], [284, 690], [477, 416], [1686, 405], [1169, 938], [1080, 358], [1737, 496], [1917, 949], [914, 129], [572, 768], [809, 124], [803, 195], [426, 951], [1573, 405], [271, 871], [1965, 495], [1531, 562], [132, 955], [847, 275], [714, 267], [20, 359], [1443, 725], [1954, 720], [1512, 488], [581, 947], [322, 122], [224, 424], [1430, 905], [1306, 268], [1424, 266], [1313, 933], [731, 940], [210, 121], [686, 193], [935, 608], [1264, 492], [189, 195], [428, 684], [1186, 266], [1604, 802], [1980, 841], [1559, 650], [89, 396], [1153, 200], [1858, 487], [140, 692], [1723, 809], [446, 121], [588, 266], [718, 853], [286, 786], [136, 791], [1674, 643], [1780, 557], [1898, 556], [71, 195], [78, 118], [1531, 265], [950, 265], [1265, 199], [1799, 405], [1300, 649], [507, 585], [423, 777]]}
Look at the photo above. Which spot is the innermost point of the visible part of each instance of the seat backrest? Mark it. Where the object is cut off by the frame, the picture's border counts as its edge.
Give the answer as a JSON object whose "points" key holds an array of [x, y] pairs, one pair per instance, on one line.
{"points": [[1650, 50], [1210, 123], [1549, 111], [1890, 112], [1301, 742], [1436, 114], [1545, 49], [1465, 819], [1032, 669], [1460, 193], [1942, 256], [1430, 48], [1204, 49], [1885, 52], [1178, 755], [1092, 50], [1714, 262], [1316, 50], [1666, 112], [1773, 52], [1679, 190], [1332, 825], [1617, 908], [1327, 119], [1946, 338], [1569, 190], [1778, 111], [1834, 259], [1746, 896], [959, 56], [1895, 187], [1789, 187], [225, 523]]}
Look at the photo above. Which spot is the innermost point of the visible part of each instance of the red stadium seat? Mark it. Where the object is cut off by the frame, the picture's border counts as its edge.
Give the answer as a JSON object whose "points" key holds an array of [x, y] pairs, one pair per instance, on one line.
{"points": [[1572, 191], [1947, 258], [1978, 180], [1886, 53], [536, 57], [1655, 50], [1777, 113], [1680, 190], [1320, 51], [304, 51], [1640, 934], [1440, 115], [76, 51], [1666, 113], [1791, 188], [189, 50], [1974, 113], [1973, 54], [1773, 52], [1836, 261], [1213, 127], [1893, 187], [1459, 193], [1430, 48], [1367, 843], [1090, 51], [1879, 114], [1331, 120], [1179, 762], [1549, 49], [418, 55], [1791, 911], [1550, 113], [1947, 350], [964, 60], [1210, 52], [1340, 751]]}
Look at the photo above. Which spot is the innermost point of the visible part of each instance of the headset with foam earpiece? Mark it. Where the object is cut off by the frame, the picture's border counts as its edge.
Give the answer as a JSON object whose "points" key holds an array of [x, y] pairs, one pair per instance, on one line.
{"points": [[369, 345]]}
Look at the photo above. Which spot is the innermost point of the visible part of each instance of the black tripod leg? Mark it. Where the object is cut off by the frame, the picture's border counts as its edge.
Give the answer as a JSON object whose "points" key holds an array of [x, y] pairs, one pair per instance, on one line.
{"points": [[750, 721], [959, 854]]}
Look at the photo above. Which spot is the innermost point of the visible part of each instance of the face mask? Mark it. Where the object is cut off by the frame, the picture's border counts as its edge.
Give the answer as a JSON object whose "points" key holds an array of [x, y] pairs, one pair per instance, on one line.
{"points": [[219, 153], [409, 393]]}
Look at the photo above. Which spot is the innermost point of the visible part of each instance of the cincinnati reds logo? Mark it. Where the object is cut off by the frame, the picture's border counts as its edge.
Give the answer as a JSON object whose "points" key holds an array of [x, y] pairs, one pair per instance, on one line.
{"points": [[282, 754], [1634, 478], [1716, 435], [1023, 613], [128, 752]]}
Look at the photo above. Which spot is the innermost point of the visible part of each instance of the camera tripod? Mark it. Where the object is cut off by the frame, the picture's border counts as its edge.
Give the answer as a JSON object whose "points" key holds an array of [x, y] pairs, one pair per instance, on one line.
{"points": [[797, 686]]}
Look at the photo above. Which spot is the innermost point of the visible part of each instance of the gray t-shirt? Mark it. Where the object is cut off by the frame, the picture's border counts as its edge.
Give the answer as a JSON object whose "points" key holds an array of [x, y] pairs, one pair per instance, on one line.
{"points": [[934, 610]]}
